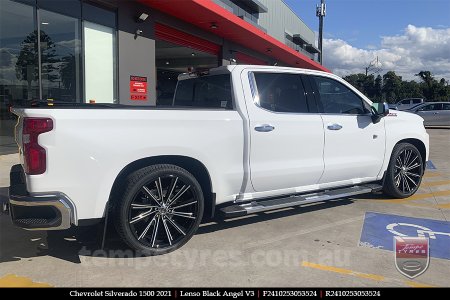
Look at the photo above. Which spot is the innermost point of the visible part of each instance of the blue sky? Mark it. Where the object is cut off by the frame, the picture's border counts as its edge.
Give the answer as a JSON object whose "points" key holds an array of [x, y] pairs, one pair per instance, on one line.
{"points": [[363, 22], [407, 35]]}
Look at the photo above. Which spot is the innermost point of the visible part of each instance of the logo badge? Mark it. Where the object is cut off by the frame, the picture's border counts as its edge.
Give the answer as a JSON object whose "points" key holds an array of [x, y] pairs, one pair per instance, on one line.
{"points": [[412, 255]]}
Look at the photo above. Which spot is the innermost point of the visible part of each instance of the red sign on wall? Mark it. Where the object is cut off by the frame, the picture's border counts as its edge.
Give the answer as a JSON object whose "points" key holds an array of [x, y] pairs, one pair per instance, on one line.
{"points": [[138, 88]]}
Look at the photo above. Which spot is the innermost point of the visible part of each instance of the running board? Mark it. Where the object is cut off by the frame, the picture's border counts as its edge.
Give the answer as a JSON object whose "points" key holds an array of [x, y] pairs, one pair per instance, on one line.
{"points": [[237, 210]]}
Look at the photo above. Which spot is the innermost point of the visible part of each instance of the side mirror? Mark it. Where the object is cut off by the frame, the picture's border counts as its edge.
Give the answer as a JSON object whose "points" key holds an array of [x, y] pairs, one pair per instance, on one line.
{"points": [[379, 110]]}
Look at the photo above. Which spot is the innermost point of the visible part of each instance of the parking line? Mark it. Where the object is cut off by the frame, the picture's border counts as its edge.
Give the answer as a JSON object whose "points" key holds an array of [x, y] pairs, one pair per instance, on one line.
{"points": [[342, 271], [432, 174], [445, 206], [12, 280], [418, 197], [374, 277], [435, 183], [416, 284]]}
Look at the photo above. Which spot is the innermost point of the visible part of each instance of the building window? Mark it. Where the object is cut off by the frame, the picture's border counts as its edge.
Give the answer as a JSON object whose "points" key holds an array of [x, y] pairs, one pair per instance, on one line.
{"points": [[46, 52], [60, 43], [19, 73], [99, 63], [19, 70]]}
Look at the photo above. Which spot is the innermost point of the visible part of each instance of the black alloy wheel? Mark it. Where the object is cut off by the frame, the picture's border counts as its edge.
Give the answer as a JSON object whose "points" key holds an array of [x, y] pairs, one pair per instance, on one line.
{"points": [[160, 210]]}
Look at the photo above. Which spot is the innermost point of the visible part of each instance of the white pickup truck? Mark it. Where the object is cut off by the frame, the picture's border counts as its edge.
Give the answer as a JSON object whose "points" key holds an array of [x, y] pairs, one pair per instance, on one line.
{"points": [[237, 140]]}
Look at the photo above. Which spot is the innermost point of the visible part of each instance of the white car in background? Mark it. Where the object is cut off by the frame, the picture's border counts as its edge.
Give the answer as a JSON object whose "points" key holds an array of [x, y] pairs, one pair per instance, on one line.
{"points": [[407, 103]]}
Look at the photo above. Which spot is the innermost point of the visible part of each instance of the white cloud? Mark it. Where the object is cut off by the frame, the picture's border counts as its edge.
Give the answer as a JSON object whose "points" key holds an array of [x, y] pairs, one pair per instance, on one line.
{"points": [[417, 49]]}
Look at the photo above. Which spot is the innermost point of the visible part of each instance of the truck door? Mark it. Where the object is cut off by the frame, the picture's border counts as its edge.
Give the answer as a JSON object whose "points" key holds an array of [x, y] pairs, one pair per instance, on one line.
{"points": [[286, 133], [354, 145]]}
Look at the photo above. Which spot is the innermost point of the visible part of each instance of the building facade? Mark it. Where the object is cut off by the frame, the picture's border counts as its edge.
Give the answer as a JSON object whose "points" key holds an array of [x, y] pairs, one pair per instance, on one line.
{"points": [[131, 52]]}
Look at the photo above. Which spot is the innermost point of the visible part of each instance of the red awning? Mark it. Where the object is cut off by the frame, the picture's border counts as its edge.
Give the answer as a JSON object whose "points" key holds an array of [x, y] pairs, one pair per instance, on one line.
{"points": [[205, 13], [178, 37]]}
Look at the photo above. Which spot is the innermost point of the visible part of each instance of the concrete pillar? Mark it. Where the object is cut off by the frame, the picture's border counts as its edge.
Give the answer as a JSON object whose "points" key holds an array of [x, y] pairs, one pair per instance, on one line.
{"points": [[136, 52]]}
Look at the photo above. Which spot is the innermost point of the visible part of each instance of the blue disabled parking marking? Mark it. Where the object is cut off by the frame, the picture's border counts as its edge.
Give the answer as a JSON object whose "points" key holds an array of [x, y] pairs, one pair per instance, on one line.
{"points": [[430, 165], [379, 229]]}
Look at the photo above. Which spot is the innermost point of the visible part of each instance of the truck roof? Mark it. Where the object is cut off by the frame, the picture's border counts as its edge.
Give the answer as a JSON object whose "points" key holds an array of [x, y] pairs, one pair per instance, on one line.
{"points": [[230, 68]]}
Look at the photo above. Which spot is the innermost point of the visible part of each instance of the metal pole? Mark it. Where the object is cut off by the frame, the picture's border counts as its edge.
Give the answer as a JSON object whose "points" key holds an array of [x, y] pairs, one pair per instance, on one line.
{"points": [[320, 12]]}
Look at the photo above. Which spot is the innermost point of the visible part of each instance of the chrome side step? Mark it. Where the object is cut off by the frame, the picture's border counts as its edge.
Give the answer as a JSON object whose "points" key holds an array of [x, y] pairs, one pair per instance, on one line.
{"points": [[237, 210]]}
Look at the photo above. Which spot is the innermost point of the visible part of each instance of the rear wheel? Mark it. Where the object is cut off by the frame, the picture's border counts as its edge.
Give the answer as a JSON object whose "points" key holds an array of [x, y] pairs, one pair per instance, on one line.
{"points": [[405, 171], [160, 209]]}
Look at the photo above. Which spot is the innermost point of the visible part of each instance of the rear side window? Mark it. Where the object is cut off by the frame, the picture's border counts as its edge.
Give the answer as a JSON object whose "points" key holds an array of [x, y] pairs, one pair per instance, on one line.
{"points": [[280, 92], [415, 101], [336, 98], [446, 106], [204, 92], [434, 106]]}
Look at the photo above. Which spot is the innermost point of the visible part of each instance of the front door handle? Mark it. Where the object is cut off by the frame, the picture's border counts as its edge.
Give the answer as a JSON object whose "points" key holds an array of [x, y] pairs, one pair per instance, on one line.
{"points": [[264, 128], [334, 126]]}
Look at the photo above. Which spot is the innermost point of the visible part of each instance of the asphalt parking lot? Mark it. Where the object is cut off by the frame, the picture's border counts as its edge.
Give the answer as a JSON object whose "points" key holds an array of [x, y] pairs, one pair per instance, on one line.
{"points": [[340, 243]]}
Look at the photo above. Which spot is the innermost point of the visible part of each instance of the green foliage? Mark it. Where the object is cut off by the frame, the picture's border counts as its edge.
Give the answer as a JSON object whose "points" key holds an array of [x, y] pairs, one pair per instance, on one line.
{"points": [[392, 88]]}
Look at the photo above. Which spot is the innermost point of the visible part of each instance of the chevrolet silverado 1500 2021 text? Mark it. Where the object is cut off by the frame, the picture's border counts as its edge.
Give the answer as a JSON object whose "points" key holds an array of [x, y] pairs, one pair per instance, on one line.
{"points": [[236, 140]]}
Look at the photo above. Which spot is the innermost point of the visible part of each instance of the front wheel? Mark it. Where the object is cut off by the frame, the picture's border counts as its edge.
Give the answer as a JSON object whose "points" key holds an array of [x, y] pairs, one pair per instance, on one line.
{"points": [[405, 171], [160, 209]]}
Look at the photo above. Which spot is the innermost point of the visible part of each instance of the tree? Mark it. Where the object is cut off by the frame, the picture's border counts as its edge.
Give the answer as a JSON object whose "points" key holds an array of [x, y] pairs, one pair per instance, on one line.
{"points": [[378, 92], [364, 83], [68, 76], [432, 89], [27, 65], [392, 86], [410, 89], [443, 90], [429, 84]]}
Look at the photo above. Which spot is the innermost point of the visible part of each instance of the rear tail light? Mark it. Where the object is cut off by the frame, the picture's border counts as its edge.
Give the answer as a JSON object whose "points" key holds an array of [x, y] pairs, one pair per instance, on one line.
{"points": [[35, 157]]}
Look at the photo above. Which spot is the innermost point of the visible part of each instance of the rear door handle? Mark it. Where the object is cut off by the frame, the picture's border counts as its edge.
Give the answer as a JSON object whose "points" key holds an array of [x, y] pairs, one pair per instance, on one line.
{"points": [[264, 128], [334, 126]]}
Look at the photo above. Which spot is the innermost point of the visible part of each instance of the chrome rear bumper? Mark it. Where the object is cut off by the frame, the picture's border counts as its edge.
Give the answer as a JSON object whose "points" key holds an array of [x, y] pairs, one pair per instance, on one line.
{"points": [[49, 211]]}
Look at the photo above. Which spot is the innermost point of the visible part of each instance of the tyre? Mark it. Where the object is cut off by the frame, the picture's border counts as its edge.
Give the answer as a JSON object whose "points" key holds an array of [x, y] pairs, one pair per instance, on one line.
{"points": [[160, 209], [404, 173]]}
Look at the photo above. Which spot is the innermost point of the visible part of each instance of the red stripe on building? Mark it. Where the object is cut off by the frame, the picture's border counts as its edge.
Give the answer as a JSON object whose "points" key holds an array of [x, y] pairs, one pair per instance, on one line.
{"points": [[175, 36]]}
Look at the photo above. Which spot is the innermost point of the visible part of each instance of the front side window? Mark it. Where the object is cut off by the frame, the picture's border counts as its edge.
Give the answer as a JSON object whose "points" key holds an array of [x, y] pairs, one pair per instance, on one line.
{"points": [[415, 101], [446, 106], [281, 92], [204, 92], [336, 98]]}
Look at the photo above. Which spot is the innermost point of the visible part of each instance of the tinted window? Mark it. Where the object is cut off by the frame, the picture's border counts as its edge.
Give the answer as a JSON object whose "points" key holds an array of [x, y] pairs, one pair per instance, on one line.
{"points": [[436, 106], [446, 106], [205, 92], [416, 101], [335, 97], [407, 101], [281, 92]]}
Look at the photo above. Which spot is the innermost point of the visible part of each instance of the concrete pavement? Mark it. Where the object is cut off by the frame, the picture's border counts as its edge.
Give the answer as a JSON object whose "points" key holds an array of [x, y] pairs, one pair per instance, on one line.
{"points": [[313, 245]]}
